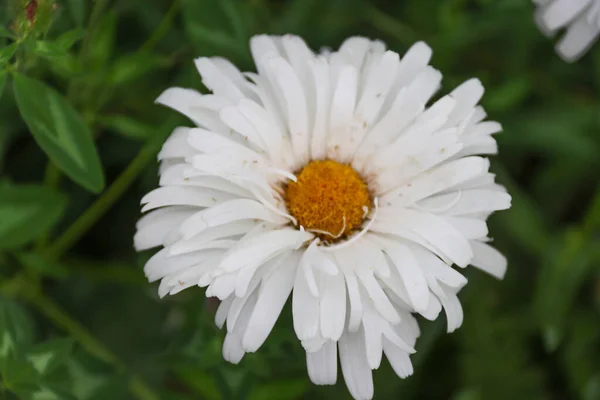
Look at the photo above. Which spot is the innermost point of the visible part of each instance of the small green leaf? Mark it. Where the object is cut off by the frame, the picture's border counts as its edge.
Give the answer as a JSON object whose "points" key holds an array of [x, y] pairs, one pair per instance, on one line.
{"points": [[127, 126], [69, 38], [5, 33], [48, 356], [41, 265], [48, 49], [104, 40], [131, 67], [42, 392], [7, 52], [16, 328], [59, 131], [26, 212], [218, 26]]}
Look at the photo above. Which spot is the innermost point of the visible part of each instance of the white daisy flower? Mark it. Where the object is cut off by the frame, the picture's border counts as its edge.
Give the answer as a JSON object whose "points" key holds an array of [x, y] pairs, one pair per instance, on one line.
{"points": [[325, 177], [581, 19]]}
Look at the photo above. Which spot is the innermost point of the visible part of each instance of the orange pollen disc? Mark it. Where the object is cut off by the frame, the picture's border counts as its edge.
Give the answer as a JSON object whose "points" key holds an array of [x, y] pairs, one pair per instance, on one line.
{"points": [[329, 199]]}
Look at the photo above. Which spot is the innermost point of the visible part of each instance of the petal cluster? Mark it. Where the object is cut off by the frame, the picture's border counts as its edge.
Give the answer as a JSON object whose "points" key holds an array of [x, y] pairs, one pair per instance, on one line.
{"points": [[580, 18], [221, 221]]}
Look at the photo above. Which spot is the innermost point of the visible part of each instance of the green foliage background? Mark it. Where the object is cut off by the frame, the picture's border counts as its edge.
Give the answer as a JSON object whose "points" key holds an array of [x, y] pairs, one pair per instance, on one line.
{"points": [[78, 138]]}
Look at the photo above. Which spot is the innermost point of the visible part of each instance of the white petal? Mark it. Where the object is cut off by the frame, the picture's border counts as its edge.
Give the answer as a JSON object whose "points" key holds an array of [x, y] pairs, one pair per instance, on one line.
{"points": [[453, 309], [488, 259], [560, 12], [176, 146], [215, 80], [470, 228], [229, 211], [355, 367], [154, 227], [322, 364], [579, 38], [185, 196], [295, 106], [399, 359], [410, 271], [320, 73], [222, 312], [341, 116], [272, 295], [434, 230], [437, 179], [333, 307], [210, 234], [305, 308], [232, 346], [261, 248], [355, 48]]}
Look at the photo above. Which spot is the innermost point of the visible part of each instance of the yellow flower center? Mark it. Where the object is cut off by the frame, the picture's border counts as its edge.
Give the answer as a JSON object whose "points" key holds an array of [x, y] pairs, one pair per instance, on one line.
{"points": [[329, 199]]}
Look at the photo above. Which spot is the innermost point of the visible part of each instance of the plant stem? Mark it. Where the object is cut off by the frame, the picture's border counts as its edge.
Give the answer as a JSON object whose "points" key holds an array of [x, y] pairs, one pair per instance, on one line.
{"points": [[162, 28], [51, 180], [380, 20]]}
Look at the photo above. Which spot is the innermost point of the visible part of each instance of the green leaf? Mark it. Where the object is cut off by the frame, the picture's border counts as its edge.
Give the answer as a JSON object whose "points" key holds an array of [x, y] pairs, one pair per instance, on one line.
{"points": [[48, 356], [69, 38], [48, 49], [127, 126], [568, 263], [290, 389], [104, 40], [7, 52], [26, 212], [41, 265], [131, 67], [5, 33], [59, 131], [43, 392], [16, 328], [216, 27]]}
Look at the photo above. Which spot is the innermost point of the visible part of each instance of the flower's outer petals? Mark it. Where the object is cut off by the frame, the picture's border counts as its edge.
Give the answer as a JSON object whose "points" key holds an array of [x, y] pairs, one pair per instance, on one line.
{"points": [[322, 364], [355, 367], [272, 295], [559, 13], [488, 259], [579, 38]]}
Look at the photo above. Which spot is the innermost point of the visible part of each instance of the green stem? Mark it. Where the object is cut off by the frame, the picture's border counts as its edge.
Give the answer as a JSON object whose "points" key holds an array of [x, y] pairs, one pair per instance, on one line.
{"points": [[61, 319], [162, 28], [51, 180], [106, 200], [393, 27]]}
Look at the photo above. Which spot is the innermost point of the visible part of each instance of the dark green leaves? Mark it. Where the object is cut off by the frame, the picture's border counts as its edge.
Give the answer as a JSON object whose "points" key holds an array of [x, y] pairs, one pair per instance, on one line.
{"points": [[48, 356], [7, 52], [59, 131], [217, 26], [16, 328], [26, 212]]}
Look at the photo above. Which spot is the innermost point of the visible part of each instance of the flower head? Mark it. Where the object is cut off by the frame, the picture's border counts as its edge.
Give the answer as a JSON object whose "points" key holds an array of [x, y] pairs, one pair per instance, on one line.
{"points": [[581, 19], [325, 177]]}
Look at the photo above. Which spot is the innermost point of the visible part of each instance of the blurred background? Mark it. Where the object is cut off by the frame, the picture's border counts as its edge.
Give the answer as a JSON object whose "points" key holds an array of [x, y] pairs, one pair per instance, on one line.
{"points": [[78, 319]]}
